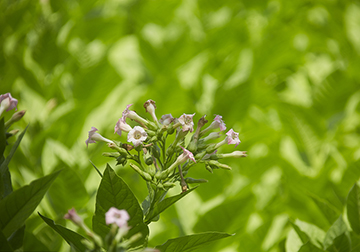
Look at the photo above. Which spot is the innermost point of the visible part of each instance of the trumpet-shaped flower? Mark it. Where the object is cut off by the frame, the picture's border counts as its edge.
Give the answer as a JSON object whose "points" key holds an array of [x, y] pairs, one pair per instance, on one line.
{"points": [[232, 137], [150, 107], [186, 121], [119, 217], [218, 122], [166, 119], [73, 216], [93, 137], [133, 116], [137, 135], [7, 103], [121, 125], [186, 155]]}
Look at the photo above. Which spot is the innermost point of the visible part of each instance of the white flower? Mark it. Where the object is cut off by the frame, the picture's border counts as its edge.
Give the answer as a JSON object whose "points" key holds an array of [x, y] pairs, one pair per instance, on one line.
{"points": [[93, 137], [137, 135], [186, 121], [119, 217]]}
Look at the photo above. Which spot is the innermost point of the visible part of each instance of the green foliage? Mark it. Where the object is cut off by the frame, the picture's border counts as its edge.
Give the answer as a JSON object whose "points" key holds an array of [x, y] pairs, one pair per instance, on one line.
{"points": [[72, 238], [114, 192], [190, 242], [20, 204], [284, 73], [164, 204]]}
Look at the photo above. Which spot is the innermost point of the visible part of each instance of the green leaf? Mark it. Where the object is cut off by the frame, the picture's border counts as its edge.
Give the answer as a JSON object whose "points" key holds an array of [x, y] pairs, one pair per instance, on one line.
{"points": [[16, 240], [341, 243], [20, 204], [2, 137], [72, 238], [309, 233], [353, 208], [336, 230], [309, 247], [4, 244], [114, 192], [68, 183], [303, 237], [328, 210], [190, 242], [5, 181], [167, 202]]}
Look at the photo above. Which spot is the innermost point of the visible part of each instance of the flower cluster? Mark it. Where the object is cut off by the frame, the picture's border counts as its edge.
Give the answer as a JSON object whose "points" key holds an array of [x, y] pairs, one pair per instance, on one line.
{"points": [[162, 164]]}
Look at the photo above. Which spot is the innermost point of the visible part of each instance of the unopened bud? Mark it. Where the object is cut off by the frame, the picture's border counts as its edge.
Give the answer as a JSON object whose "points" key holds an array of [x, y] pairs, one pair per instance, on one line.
{"points": [[111, 154], [195, 181], [12, 132], [15, 118], [143, 174]]}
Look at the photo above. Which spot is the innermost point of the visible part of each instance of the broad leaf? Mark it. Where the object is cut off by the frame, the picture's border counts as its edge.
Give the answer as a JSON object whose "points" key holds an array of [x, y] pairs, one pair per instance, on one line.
{"points": [[114, 192], [71, 237], [17, 238], [328, 210], [190, 242], [68, 183], [341, 243], [4, 244], [19, 205], [309, 247], [309, 233], [353, 208], [336, 230], [167, 202]]}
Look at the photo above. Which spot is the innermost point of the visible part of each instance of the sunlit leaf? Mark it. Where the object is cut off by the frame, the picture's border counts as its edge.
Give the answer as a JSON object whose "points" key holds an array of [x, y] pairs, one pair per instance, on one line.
{"points": [[20, 204], [353, 208], [190, 242], [337, 230]]}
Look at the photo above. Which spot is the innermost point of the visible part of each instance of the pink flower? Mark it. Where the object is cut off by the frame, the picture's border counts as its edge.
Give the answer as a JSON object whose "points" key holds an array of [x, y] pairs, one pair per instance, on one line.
{"points": [[137, 135], [121, 125], [218, 122], [73, 216], [185, 156], [119, 217], [166, 119], [7, 103], [186, 121], [93, 137], [232, 137]]}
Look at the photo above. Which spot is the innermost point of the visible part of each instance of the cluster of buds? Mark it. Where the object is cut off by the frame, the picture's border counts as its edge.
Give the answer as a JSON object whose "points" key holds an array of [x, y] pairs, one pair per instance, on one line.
{"points": [[7, 103], [162, 164], [116, 238]]}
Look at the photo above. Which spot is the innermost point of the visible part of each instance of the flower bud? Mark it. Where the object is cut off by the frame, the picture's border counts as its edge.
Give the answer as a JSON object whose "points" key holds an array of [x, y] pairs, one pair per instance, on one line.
{"points": [[150, 107], [195, 181], [143, 174], [15, 118], [148, 159]]}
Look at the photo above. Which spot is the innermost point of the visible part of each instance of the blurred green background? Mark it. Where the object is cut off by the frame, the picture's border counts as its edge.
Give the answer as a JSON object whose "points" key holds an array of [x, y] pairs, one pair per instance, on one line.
{"points": [[285, 74]]}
